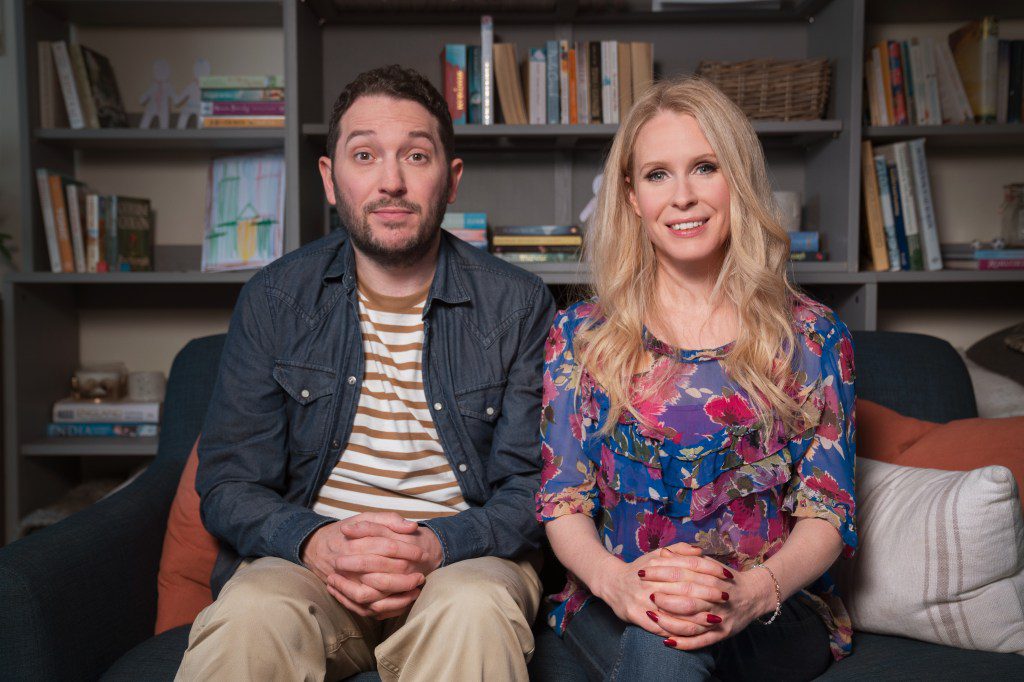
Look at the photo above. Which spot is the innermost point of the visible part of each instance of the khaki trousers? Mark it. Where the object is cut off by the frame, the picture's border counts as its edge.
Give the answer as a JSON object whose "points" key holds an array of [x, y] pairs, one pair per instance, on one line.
{"points": [[275, 620]]}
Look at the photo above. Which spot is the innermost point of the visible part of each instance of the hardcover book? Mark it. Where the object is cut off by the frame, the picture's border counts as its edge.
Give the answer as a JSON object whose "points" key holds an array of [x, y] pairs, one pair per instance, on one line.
{"points": [[975, 49], [474, 113], [69, 410], [455, 88], [106, 96], [235, 82], [134, 227]]}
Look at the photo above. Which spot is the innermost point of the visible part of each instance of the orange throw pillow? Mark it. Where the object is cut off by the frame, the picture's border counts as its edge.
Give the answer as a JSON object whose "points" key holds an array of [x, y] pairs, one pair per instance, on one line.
{"points": [[959, 445], [183, 583]]}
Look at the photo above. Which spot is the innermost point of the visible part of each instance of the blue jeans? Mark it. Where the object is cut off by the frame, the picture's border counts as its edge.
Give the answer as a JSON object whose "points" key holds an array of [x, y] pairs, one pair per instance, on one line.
{"points": [[794, 647]]}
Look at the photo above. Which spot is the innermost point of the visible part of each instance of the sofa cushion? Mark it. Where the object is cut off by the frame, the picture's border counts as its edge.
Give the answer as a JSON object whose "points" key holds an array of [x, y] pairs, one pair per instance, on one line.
{"points": [[941, 557], [888, 436], [186, 562], [154, 660]]}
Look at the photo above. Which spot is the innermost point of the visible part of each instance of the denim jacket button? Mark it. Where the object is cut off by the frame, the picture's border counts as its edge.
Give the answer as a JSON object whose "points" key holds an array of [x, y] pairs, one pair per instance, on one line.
{"points": [[304, 393], [335, 444], [351, 381], [490, 411], [463, 467], [438, 406]]}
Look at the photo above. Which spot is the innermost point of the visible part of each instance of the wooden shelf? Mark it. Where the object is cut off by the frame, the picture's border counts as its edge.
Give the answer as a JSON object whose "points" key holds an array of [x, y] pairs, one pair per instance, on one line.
{"points": [[796, 133], [939, 276], [166, 13], [91, 447], [122, 278], [133, 139], [978, 135]]}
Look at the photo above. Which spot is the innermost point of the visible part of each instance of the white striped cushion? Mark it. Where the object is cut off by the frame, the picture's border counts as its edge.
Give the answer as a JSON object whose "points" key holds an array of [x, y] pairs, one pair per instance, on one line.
{"points": [[941, 556]]}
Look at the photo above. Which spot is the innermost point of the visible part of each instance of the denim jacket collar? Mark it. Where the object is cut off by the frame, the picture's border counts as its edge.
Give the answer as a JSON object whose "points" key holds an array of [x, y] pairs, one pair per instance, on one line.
{"points": [[447, 285]]}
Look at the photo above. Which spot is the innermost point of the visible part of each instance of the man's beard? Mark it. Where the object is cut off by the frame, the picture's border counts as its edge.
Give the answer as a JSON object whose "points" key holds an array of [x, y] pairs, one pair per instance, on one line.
{"points": [[359, 231]]}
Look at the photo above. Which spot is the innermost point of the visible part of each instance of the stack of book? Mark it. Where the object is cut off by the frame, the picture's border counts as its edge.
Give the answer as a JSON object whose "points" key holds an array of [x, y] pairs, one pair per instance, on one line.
{"points": [[902, 233], [242, 102], [84, 80], [971, 77], [120, 418], [90, 232], [469, 227], [983, 257], [565, 83], [806, 246], [537, 243]]}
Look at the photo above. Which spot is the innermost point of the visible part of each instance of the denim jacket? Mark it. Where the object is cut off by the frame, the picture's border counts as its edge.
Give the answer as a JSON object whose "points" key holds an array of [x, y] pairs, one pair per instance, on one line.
{"points": [[288, 387]]}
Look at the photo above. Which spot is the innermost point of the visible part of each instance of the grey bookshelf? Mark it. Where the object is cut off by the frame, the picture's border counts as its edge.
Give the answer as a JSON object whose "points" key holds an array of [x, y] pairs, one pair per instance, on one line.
{"points": [[517, 174], [969, 136]]}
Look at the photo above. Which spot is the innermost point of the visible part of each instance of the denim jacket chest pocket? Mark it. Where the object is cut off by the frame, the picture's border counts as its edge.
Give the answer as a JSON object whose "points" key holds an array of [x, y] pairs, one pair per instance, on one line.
{"points": [[479, 408], [310, 389]]}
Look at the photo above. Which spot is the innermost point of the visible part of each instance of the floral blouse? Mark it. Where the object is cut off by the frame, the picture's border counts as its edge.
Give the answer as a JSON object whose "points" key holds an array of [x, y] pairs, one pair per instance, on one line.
{"points": [[704, 470]]}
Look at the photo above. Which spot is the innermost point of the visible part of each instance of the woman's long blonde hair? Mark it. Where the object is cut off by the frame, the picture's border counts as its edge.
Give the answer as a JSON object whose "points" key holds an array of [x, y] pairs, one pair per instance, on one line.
{"points": [[753, 276]]}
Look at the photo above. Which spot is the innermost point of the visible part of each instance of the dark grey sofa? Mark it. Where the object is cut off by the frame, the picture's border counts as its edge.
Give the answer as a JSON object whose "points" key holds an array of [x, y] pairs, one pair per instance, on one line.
{"points": [[78, 600]]}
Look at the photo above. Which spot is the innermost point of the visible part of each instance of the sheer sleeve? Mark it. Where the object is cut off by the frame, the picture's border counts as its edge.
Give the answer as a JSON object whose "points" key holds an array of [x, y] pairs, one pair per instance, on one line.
{"points": [[822, 485], [569, 477]]}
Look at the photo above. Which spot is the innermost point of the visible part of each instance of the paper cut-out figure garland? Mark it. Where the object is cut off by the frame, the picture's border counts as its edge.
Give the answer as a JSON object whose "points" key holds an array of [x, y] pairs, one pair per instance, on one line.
{"points": [[158, 98], [191, 95]]}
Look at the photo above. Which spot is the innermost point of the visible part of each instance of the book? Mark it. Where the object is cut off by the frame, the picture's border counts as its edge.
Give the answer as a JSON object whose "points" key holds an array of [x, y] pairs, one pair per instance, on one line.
{"points": [[82, 86], [66, 77], [526, 257], [804, 241], [241, 121], [454, 220], [1003, 81], [897, 212], [554, 99], [956, 107], [563, 82], [76, 222], [896, 82], [536, 248], [876, 98], [242, 94], [975, 48], [886, 66], [574, 109], [583, 83], [985, 264], [642, 61], [930, 251], [808, 256], [241, 108], [536, 230], [510, 89], [926, 94], [487, 70], [998, 254], [475, 237], [594, 84], [908, 205], [108, 263], [239, 82], [908, 81], [473, 112], [101, 430], [888, 219], [69, 410], [1015, 83], [536, 240], [625, 86], [609, 81], [60, 221], [105, 95], [49, 220], [538, 79], [52, 113], [245, 212], [133, 224], [873, 209], [455, 90], [95, 227]]}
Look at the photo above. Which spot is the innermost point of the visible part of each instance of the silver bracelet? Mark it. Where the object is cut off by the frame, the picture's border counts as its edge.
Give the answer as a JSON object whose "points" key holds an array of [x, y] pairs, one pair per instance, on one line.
{"points": [[778, 597]]}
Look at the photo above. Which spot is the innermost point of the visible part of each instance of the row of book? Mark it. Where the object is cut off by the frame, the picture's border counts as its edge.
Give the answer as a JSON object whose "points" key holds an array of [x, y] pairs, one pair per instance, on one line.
{"points": [[90, 232], [77, 88], [241, 101], [971, 77], [982, 256], [75, 418], [902, 233], [563, 83]]}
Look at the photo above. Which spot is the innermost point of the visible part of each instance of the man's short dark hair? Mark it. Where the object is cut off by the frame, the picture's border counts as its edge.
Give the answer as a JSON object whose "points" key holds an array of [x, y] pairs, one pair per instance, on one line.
{"points": [[399, 83]]}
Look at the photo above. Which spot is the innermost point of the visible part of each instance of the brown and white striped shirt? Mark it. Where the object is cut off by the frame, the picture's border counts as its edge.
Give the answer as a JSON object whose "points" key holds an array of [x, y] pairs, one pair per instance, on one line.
{"points": [[393, 460]]}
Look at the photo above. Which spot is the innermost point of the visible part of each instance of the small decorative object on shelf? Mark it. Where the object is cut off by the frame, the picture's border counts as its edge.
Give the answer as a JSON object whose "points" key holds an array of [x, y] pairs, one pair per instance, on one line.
{"points": [[773, 89], [106, 401], [191, 95], [158, 98], [99, 382], [790, 209], [1012, 212]]}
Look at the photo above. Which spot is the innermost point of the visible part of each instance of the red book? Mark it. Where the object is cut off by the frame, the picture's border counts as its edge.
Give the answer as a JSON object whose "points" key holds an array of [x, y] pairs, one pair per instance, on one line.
{"points": [[898, 83], [242, 108], [1001, 263], [455, 86]]}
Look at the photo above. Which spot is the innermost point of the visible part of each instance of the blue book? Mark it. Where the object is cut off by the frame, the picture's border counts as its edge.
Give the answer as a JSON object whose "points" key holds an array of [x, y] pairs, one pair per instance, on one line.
{"points": [[888, 220], [536, 230], [455, 90], [897, 214], [476, 97], [552, 54], [999, 254], [454, 220], [99, 430], [803, 241]]}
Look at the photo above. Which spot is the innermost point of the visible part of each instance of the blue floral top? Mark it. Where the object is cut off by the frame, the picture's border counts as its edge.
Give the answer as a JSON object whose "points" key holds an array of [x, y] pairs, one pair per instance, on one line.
{"points": [[703, 470]]}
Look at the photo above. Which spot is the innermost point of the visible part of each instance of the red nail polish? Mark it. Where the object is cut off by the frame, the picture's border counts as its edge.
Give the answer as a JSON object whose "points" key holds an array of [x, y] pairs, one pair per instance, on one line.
{"points": [[725, 596], [670, 643], [653, 616], [712, 618], [641, 573], [652, 597], [727, 573]]}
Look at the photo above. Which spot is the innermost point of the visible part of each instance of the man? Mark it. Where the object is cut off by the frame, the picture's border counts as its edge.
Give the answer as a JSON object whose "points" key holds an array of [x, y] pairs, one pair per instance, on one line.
{"points": [[371, 451]]}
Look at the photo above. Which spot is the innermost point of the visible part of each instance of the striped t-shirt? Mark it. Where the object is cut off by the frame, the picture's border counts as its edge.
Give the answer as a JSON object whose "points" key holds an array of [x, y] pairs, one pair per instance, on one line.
{"points": [[393, 460]]}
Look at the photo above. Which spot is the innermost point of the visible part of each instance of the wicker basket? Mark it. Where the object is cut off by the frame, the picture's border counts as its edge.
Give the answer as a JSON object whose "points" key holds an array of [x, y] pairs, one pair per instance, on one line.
{"points": [[773, 89]]}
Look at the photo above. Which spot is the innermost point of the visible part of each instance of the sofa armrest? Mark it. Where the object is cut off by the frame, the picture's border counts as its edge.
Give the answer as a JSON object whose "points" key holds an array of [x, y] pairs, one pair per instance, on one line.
{"points": [[79, 594]]}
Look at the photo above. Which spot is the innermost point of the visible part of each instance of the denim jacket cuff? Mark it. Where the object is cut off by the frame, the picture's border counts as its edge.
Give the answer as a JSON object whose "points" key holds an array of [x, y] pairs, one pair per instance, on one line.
{"points": [[457, 536], [294, 533]]}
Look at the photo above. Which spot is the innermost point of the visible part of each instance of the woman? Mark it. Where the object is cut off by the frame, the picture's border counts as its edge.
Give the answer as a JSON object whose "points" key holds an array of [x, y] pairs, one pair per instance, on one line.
{"points": [[698, 426]]}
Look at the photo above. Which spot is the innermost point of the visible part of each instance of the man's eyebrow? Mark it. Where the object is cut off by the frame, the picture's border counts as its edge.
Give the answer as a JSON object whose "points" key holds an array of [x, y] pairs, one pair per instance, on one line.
{"points": [[424, 134]]}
